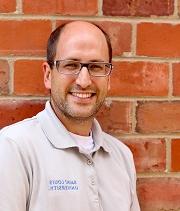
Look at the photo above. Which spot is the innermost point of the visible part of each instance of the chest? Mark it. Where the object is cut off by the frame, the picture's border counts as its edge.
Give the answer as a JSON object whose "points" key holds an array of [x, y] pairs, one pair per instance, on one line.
{"points": [[69, 180]]}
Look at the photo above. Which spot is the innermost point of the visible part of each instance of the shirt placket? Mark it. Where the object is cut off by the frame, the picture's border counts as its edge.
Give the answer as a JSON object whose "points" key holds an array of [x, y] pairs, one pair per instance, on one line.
{"points": [[92, 184]]}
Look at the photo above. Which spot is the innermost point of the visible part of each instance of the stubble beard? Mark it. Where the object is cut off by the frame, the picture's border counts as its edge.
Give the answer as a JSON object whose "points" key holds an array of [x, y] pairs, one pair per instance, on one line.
{"points": [[62, 107]]}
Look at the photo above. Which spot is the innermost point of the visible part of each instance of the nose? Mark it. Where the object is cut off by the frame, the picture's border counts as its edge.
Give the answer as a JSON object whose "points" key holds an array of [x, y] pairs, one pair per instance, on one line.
{"points": [[83, 79]]}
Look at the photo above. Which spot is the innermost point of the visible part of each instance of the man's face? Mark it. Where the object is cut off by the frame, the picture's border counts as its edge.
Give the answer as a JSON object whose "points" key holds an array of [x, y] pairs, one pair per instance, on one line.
{"points": [[79, 96]]}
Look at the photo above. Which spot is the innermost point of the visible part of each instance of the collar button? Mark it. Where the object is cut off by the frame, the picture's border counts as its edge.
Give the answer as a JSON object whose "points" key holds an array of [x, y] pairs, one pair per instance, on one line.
{"points": [[89, 162]]}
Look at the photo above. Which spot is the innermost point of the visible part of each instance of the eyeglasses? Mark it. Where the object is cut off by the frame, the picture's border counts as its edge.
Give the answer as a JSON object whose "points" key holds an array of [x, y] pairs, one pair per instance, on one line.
{"points": [[71, 67]]}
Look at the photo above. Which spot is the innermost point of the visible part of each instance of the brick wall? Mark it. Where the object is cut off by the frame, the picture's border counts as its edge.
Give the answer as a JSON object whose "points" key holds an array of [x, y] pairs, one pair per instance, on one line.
{"points": [[143, 106]]}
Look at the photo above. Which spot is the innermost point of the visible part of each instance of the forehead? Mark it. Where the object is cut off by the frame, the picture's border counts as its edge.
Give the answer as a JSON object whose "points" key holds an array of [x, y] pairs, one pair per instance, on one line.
{"points": [[80, 28], [83, 37]]}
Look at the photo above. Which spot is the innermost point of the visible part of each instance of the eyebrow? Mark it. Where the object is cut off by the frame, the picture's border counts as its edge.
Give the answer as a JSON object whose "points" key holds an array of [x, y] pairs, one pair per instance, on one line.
{"points": [[79, 60]]}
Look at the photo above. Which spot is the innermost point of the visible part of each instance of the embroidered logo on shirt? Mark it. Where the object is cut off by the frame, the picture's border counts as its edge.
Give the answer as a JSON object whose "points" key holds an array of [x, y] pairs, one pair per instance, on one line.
{"points": [[63, 185]]}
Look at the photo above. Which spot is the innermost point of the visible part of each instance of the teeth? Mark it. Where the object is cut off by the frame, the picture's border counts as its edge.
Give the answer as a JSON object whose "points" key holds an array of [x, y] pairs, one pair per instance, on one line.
{"points": [[82, 95]]}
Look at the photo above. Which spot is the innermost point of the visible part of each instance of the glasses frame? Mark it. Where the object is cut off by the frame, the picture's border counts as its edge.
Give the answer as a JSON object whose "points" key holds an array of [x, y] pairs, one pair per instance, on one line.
{"points": [[84, 64]]}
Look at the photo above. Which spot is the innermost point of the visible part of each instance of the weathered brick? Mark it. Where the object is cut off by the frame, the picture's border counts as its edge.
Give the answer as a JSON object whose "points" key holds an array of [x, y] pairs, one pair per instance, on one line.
{"points": [[175, 155], [138, 7], [115, 117], [64, 7], [12, 111], [4, 77], [157, 117], [158, 39], [149, 154], [159, 194], [176, 79], [7, 6], [139, 79], [24, 37], [28, 78], [119, 33]]}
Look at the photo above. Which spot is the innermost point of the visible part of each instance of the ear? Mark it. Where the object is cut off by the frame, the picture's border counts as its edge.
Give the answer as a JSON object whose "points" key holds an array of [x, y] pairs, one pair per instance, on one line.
{"points": [[47, 75]]}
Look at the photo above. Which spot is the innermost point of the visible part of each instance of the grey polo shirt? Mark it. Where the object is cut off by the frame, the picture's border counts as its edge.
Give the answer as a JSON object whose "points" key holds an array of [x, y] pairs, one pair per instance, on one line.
{"points": [[42, 169]]}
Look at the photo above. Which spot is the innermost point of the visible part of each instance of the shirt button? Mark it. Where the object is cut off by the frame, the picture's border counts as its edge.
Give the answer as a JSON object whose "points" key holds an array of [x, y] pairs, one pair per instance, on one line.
{"points": [[89, 162], [93, 182]]}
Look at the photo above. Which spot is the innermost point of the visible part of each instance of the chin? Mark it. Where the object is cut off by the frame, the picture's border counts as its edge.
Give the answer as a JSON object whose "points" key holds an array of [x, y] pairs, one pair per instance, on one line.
{"points": [[83, 116], [81, 113]]}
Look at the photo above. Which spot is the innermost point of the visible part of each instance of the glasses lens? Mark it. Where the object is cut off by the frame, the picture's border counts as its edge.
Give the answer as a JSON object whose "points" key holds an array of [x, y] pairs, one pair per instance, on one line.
{"points": [[71, 67], [68, 67], [99, 69]]}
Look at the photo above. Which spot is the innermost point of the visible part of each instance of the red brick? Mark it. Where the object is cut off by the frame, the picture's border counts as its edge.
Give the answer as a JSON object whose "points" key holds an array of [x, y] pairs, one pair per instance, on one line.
{"points": [[63, 7], [119, 33], [159, 194], [175, 155], [139, 79], [4, 77], [28, 78], [24, 37], [12, 111], [154, 117], [115, 117], [149, 154], [7, 6], [176, 79], [160, 40], [138, 7]]}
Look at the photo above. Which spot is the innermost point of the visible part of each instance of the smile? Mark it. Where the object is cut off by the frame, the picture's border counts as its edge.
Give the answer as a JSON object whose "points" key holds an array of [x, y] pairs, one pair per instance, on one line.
{"points": [[82, 95]]}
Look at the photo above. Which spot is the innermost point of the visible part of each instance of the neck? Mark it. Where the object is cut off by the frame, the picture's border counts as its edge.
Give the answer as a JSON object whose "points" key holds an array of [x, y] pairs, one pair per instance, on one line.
{"points": [[77, 126]]}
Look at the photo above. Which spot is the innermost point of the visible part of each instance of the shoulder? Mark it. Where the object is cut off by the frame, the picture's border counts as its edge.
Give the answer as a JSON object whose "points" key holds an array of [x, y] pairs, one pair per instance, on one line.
{"points": [[118, 148], [115, 143], [19, 140], [20, 129], [122, 154]]}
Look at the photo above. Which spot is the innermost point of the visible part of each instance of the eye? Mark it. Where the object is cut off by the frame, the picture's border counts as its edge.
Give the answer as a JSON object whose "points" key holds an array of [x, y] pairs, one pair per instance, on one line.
{"points": [[70, 65], [96, 67]]}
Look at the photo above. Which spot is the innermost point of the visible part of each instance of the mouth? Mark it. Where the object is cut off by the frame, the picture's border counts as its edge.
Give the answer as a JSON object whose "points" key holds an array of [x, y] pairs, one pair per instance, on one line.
{"points": [[82, 95]]}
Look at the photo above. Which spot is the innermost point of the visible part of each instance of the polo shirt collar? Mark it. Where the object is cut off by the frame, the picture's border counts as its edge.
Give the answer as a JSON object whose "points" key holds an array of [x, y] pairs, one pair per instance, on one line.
{"points": [[59, 136]]}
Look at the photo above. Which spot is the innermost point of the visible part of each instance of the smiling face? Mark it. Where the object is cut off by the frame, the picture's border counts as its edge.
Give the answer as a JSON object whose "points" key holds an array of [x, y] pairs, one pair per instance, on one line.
{"points": [[78, 97]]}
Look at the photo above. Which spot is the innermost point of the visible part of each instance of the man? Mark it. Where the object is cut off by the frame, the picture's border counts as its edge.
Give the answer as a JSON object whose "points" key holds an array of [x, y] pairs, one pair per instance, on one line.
{"points": [[60, 160]]}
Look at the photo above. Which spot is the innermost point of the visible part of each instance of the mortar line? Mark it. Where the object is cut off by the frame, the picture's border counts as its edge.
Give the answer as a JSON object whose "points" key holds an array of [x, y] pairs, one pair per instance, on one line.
{"points": [[100, 8], [148, 136], [146, 58], [53, 22], [133, 117], [11, 76], [9, 57], [115, 59], [19, 7], [168, 154], [128, 99], [176, 4], [170, 82], [134, 39], [145, 98], [158, 175], [127, 19], [15, 97]]}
